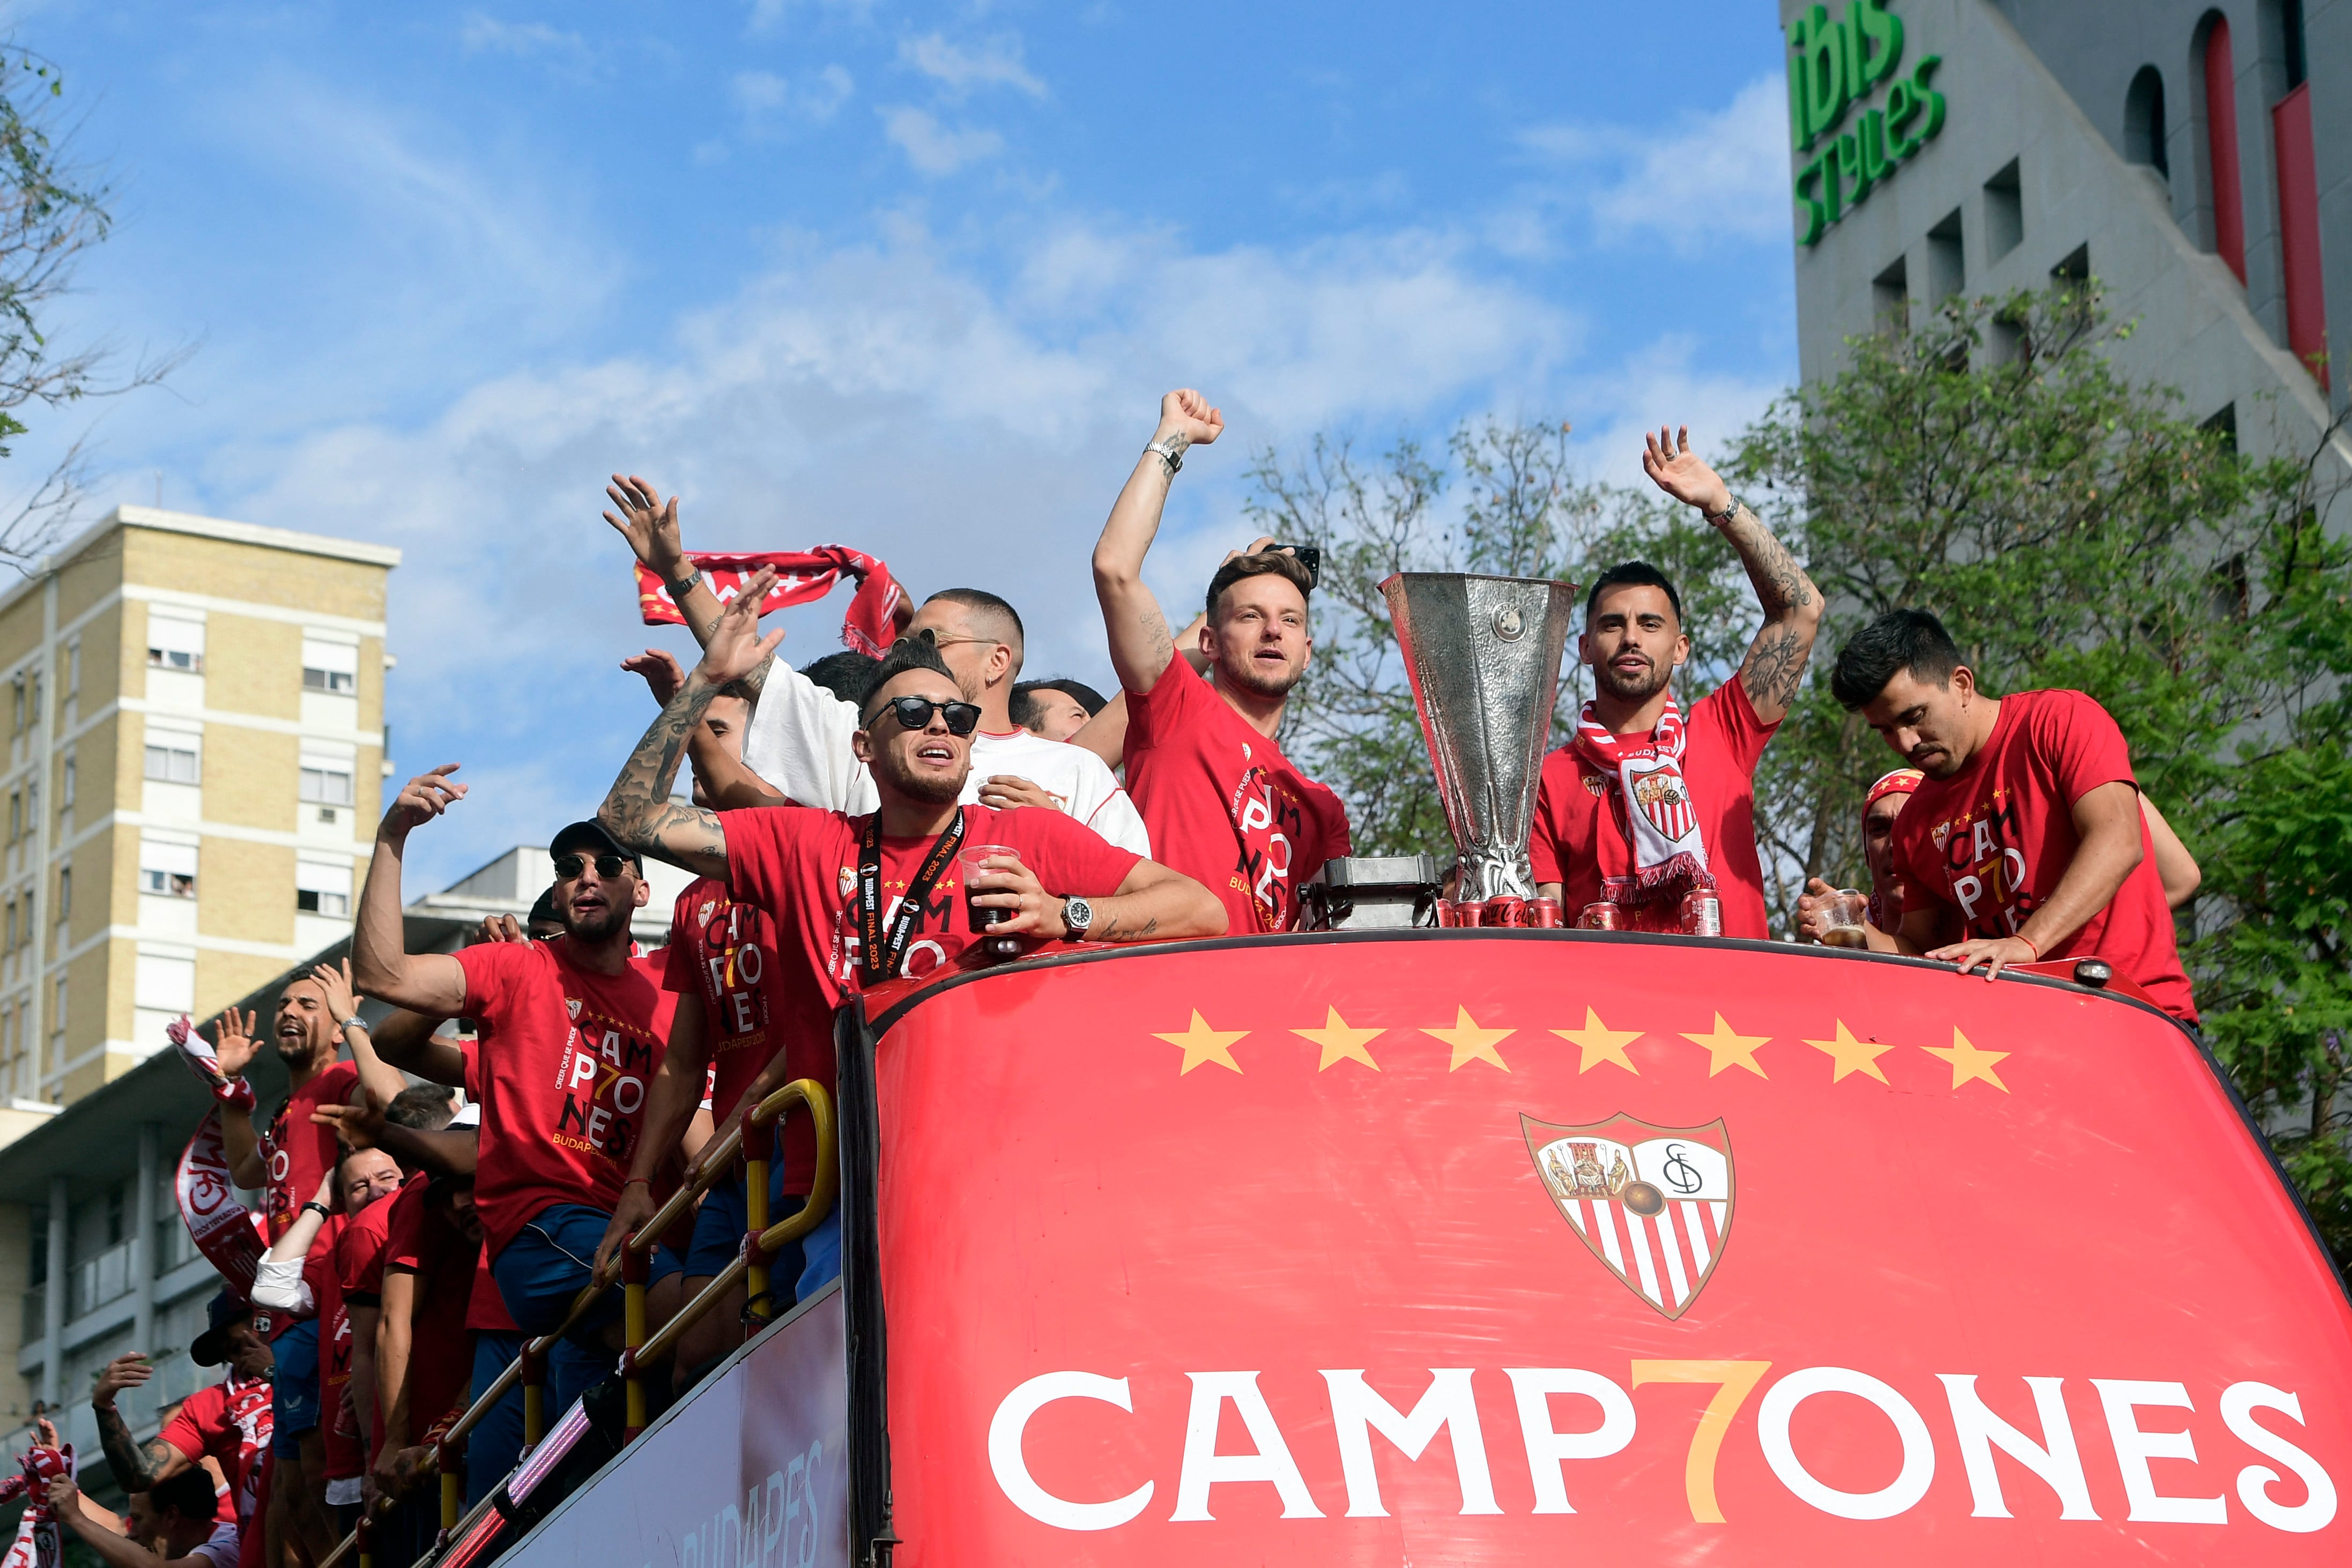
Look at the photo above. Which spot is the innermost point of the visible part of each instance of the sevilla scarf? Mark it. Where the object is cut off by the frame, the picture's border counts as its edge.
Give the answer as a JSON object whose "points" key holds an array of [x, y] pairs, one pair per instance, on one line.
{"points": [[38, 1544], [224, 1230], [801, 577], [1658, 854]]}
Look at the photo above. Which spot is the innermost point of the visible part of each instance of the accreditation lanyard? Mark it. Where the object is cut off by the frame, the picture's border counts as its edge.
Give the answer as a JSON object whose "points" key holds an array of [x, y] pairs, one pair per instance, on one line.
{"points": [[877, 961]]}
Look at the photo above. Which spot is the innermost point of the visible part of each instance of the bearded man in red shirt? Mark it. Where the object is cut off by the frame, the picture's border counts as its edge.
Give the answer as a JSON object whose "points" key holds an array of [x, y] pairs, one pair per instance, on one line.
{"points": [[1221, 802], [1647, 805], [2027, 839]]}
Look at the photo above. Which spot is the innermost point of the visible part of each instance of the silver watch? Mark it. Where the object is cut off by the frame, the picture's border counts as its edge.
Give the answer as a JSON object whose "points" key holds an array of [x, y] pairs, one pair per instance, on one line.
{"points": [[1078, 915], [1171, 451], [1725, 516]]}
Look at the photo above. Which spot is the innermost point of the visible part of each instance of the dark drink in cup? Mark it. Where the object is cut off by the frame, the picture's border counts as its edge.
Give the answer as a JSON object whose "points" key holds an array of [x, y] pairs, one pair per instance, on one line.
{"points": [[980, 917]]}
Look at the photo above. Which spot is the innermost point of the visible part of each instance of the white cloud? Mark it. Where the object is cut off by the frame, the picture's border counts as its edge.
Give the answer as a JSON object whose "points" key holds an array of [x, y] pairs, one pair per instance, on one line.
{"points": [[1722, 173], [765, 103], [567, 52], [935, 149], [767, 17], [995, 62]]}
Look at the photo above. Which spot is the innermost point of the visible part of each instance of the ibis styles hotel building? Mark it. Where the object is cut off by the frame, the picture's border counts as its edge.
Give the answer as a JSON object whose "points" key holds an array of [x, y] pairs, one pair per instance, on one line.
{"points": [[2194, 156]]}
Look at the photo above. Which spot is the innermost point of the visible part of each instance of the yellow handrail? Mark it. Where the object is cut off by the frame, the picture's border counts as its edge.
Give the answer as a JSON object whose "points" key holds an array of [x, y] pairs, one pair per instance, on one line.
{"points": [[715, 1163]]}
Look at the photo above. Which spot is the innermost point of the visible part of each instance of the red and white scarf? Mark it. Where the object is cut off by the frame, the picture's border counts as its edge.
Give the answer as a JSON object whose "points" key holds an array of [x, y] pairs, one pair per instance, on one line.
{"points": [[1664, 855]]}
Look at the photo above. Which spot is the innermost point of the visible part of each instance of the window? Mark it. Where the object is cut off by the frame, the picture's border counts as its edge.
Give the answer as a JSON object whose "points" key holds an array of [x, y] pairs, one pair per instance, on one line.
{"points": [[2221, 145], [1946, 270], [175, 639], [65, 894], [166, 981], [16, 815], [1890, 298], [11, 946], [322, 889], [18, 726], [327, 783], [57, 998], [2004, 212], [66, 786], [172, 759], [330, 666], [2144, 129], [114, 1206], [73, 668], [166, 868]]}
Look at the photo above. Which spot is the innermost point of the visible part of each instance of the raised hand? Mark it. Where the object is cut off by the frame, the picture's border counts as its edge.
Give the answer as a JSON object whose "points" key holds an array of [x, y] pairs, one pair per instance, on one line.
{"points": [[649, 524], [361, 1127], [335, 979], [1187, 413], [124, 1372], [661, 670], [736, 648], [1004, 791], [502, 928], [235, 1042], [422, 799], [1674, 468]]}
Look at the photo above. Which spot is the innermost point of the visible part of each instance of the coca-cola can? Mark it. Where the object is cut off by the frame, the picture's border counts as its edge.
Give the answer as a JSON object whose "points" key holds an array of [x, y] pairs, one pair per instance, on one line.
{"points": [[1702, 915], [1599, 917], [1506, 910], [1449, 912], [1546, 914]]}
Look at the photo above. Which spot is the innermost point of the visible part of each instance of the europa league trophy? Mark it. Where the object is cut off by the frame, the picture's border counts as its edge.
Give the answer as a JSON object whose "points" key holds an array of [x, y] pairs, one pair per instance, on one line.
{"points": [[1483, 654]]}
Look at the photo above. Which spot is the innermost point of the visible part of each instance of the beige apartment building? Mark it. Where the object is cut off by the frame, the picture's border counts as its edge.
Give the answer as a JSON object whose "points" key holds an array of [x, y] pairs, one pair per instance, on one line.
{"points": [[194, 731]]}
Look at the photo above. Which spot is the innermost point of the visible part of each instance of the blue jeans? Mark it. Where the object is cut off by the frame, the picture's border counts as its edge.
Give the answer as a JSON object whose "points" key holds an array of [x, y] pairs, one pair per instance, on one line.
{"points": [[494, 1444], [294, 1389], [539, 1273], [820, 1257]]}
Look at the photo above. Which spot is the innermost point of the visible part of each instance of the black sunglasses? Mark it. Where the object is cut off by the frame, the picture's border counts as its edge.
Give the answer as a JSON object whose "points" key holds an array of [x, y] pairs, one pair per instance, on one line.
{"points": [[607, 867], [915, 712]]}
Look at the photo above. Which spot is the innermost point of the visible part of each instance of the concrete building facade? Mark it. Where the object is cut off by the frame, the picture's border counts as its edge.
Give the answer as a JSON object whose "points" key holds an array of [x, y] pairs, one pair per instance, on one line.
{"points": [[195, 754], [2195, 158]]}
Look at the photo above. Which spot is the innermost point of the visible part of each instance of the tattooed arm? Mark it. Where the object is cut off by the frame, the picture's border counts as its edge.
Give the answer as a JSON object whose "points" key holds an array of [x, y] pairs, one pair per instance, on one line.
{"points": [[381, 966], [650, 525], [1792, 605], [639, 810], [136, 1466], [1140, 647]]}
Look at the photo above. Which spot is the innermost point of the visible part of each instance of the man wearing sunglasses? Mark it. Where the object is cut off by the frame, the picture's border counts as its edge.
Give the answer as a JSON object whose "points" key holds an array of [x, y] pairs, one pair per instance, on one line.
{"points": [[860, 899], [799, 748], [571, 1031]]}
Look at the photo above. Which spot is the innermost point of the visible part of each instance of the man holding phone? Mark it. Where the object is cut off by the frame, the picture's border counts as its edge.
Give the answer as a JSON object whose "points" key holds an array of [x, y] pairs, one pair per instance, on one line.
{"points": [[1222, 802]]}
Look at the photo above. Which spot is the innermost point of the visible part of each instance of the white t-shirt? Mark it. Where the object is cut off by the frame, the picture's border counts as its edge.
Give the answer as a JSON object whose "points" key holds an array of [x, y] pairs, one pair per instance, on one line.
{"points": [[219, 1548], [798, 741]]}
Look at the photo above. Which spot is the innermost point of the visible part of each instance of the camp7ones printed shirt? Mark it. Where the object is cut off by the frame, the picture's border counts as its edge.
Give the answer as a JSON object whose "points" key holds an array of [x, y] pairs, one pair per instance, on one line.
{"points": [[565, 1061], [1223, 805], [726, 952]]}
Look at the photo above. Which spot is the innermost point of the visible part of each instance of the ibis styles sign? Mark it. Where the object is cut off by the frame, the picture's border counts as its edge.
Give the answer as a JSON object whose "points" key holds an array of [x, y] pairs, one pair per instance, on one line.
{"points": [[1835, 64]]}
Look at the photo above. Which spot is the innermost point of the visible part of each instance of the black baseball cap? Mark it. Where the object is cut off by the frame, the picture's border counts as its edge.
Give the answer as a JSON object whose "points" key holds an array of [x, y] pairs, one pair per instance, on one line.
{"points": [[212, 1347], [590, 837]]}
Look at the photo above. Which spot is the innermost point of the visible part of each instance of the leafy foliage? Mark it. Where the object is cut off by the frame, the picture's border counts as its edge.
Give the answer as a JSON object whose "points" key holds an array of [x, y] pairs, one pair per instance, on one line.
{"points": [[2072, 528]]}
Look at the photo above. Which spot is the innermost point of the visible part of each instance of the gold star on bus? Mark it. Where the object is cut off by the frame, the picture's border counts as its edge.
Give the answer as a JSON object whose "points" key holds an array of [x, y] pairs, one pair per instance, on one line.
{"points": [[1601, 1043], [1726, 1048], [1967, 1062], [1852, 1055], [1200, 1043], [1470, 1042], [1341, 1043]]}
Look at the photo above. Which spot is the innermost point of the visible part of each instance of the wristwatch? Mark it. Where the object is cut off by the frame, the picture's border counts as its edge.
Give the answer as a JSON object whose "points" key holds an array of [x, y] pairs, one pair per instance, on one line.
{"points": [[354, 1021], [321, 1208], [1725, 516], [684, 586], [1078, 915], [1171, 451]]}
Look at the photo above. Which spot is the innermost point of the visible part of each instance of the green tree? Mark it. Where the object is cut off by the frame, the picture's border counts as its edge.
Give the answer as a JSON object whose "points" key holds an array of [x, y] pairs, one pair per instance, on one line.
{"points": [[53, 209]]}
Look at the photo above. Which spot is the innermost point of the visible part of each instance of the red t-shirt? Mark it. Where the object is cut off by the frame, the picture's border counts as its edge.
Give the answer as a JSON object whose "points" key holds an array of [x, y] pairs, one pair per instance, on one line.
{"points": [[304, 1148], [487, 1311], [566, 1059], [1578, 842], [799, 865], [1223, 804], [359, 1280], [1993, 840], [231, 1422], [422, 1242], [726, 952]]}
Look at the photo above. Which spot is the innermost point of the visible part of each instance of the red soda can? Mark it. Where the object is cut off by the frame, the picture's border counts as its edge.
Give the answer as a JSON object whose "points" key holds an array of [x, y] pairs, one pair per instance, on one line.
{"points": [[1449, 912], [1600, 916], [1702, 913], [1546, 914], [1504, 911]]}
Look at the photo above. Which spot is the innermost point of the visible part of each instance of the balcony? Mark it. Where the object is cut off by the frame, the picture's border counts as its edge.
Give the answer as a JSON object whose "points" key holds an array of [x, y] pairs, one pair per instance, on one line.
{"points": [[97, 1280]]}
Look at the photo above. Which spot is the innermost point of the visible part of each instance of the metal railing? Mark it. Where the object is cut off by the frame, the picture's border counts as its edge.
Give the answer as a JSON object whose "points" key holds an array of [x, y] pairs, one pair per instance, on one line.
{"points": [[629, 1268]]}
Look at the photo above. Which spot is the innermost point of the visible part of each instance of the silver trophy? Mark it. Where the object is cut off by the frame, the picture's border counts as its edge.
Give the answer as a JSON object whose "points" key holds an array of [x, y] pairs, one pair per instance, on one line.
{"points": [[1484, 655]]}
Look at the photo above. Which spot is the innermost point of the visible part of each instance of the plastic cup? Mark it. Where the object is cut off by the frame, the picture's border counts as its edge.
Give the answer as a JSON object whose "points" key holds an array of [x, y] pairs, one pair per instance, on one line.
{"points": [[980, 917]]}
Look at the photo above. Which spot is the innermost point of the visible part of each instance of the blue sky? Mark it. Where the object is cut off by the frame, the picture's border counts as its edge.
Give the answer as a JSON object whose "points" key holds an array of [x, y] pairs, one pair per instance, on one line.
{"points": [[905, 279]]}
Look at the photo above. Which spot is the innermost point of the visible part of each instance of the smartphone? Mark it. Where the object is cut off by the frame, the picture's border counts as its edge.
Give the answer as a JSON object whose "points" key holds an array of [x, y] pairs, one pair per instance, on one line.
{"points": [[1311, 558]]}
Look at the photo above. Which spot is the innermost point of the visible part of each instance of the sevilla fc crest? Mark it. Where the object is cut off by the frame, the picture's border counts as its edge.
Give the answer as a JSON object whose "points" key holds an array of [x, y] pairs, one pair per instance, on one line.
{"points": [[1651, 1204], [1665, 800]]}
